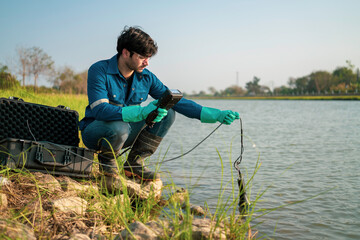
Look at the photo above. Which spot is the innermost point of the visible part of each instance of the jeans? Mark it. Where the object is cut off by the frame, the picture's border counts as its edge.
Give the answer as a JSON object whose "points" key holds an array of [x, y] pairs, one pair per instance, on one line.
{"points": [[121, 134]]}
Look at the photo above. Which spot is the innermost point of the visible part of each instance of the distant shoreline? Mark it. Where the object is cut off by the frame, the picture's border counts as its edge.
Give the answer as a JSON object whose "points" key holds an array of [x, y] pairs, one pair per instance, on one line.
{"points": [[305, 97]]}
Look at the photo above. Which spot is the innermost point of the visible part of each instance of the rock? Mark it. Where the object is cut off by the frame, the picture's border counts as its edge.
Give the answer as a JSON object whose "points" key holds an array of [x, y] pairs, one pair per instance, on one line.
{"points": [[47, 181], [163, 202], [201, 229], [135, 188], [146, 190], [100, 231], [3, 201], [73, 186], [159, 228], [79, 236], [4, 181], [70, 205], [139, 232], [102, 205], [204, 229], [197, 210], [99, 237], [118, 199], [180, 196], [14, 230], [59, 237]]}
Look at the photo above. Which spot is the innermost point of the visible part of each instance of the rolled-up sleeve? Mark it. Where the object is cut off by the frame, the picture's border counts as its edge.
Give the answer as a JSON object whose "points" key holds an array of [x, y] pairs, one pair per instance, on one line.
{"points": [[188, 108]]}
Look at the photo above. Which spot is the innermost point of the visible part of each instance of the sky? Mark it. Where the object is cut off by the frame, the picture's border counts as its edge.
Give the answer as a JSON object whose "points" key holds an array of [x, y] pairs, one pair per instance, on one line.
{"points": [[201, 44]]}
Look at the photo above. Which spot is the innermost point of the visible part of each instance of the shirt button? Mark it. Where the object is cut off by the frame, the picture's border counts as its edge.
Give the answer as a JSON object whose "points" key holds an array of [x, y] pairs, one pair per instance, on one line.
{"points": [[114, 96], [124, 85], [141, 98], [133, 89]]}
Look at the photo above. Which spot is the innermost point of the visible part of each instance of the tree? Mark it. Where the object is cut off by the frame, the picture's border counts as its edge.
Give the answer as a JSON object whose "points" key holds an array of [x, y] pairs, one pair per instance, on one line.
{"points": [[283, 90], [253, 86], [67, 81], [81, 82], [233, 90], [212, 91], [202, 93], [321, 80], [7, 80], [24, 62], [343, 75], [302, 84], [264, 89], [292, 82], [39, 63]]}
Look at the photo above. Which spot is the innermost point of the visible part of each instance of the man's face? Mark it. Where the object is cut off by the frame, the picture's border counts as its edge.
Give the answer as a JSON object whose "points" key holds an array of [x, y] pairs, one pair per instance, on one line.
{"points": [[137, 62]]}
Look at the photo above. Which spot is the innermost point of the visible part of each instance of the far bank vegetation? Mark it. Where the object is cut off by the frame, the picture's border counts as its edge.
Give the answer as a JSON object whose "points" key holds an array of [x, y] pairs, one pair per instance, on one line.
{"points": [[33, 63]]}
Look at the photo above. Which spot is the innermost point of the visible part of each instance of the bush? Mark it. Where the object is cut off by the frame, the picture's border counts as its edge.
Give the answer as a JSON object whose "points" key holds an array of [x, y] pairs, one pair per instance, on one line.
{"points": [[7, 81]]}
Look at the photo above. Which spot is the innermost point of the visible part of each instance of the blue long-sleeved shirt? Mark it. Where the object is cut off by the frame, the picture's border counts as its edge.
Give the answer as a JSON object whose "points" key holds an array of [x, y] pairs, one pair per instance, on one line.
{"points": [[108, 91]]}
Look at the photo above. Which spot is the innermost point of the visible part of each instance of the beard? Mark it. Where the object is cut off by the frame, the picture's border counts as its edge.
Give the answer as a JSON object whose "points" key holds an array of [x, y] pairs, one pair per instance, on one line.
{"points": [[134, 67]]}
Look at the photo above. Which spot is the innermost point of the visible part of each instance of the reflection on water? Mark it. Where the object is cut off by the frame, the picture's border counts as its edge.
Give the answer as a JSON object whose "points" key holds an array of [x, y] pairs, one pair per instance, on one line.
{"points": [[305, 148]]}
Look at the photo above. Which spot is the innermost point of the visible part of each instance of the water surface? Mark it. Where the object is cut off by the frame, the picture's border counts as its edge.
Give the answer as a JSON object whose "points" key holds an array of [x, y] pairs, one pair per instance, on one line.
{"points": [[304, 147]]}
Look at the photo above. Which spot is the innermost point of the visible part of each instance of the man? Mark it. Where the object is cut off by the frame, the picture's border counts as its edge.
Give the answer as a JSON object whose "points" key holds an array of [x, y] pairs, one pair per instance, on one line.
{"points": [[114, 118]]}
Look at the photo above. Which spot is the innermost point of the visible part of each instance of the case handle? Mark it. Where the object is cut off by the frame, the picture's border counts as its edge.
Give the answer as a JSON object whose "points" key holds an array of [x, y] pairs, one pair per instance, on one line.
{"points": [[16, 99], [63, 107], [39, 156]]}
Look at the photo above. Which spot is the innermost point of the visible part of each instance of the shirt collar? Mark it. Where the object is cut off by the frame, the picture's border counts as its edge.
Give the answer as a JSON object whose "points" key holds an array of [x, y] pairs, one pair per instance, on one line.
{"points": [[113, 65]]}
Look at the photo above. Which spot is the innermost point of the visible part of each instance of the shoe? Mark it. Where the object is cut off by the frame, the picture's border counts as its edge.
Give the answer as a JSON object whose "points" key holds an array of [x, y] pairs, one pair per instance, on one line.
{"points": [[109, 169]]}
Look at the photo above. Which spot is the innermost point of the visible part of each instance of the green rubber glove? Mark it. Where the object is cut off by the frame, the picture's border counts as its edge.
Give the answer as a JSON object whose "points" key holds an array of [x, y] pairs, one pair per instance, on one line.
{"points": [[161, 114], [138, 113], [212, 115]]}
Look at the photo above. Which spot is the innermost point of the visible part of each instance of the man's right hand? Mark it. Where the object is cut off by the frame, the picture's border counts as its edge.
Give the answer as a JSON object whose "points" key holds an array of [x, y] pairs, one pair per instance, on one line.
{"points": [[138, 113]]}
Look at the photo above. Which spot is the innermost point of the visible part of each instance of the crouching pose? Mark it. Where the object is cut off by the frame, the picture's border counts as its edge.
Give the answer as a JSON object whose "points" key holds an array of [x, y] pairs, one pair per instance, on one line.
{"points": [[115, 118]]}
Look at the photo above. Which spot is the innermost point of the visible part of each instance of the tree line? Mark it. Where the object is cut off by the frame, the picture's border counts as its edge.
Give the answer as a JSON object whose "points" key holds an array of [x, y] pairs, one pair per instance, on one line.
{"points": [[31, 63], [343, 80]]}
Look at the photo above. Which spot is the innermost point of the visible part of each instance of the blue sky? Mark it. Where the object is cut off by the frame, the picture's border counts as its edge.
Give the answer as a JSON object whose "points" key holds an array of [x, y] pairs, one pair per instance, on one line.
{"points": [[201, 43]]}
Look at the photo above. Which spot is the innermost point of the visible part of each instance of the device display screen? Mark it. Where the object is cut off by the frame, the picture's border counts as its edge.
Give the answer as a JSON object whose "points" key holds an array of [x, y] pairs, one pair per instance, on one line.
{"points": [[175, 91]]}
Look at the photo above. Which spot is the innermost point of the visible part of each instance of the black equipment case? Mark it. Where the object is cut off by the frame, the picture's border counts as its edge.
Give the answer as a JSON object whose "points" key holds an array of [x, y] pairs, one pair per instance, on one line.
{"points": [[29, 121], [46, 157], [42, 138]]}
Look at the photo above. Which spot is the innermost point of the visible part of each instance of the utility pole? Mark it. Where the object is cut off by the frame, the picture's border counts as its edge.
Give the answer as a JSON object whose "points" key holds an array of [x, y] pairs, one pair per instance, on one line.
{"points": [[357, 78], [237, 78]]}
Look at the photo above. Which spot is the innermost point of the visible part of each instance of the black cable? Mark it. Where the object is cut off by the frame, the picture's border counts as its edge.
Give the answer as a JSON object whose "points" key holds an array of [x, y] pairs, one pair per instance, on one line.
{"points": [[164, 161], [168, 160], [239, 159], [171, 159]]}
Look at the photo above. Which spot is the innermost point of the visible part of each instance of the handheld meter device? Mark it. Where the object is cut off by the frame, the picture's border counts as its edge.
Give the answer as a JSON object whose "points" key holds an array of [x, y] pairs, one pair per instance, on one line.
{"points": [[169, 98]]}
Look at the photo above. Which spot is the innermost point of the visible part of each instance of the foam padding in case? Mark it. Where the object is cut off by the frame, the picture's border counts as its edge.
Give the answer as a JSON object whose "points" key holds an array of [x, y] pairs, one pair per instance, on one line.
{"points": [[23, 120]]}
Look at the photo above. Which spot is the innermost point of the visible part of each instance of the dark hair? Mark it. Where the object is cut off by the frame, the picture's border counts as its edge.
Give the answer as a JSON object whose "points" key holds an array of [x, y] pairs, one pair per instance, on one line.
{"points": [[136, 40]]}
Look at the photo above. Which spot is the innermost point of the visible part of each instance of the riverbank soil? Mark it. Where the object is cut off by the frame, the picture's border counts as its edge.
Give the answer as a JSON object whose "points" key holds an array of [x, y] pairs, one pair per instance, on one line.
{"points": [[42, 206]]}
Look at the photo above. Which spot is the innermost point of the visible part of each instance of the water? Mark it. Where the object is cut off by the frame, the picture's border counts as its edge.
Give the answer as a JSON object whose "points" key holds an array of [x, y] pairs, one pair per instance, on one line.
{"points": [[304, 147]]}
